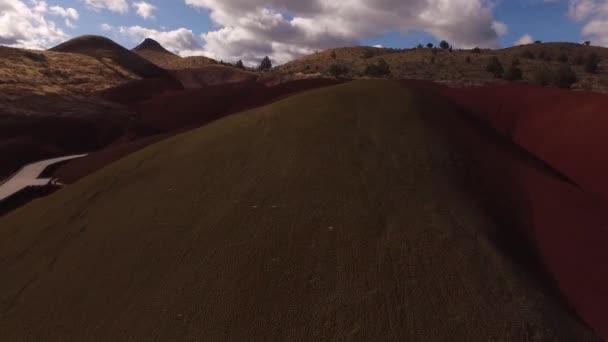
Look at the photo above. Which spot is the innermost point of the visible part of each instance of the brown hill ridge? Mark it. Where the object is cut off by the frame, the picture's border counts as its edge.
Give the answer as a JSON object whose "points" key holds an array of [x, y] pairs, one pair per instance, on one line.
{"points": [[152, 45], [154, 52], [105, 49]]}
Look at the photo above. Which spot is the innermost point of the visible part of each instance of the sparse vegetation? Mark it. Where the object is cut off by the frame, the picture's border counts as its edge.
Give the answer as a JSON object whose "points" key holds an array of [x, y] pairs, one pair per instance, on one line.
{"points": [[337, 70], [266, 64], [588, 43], [544, 55], [563, 58], [240, 64], [565, 77], [528, 54], [381, 68], [513, 73], [468, 60], [476, 50], [420, 46], [591, 63], [495, 67], [333, 54], [430, 45], [444, 45], [367, 53], [541, 76], [538, 42]]}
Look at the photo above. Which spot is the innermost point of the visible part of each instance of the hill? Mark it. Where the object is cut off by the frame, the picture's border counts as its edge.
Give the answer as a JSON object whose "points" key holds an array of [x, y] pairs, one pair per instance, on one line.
{"points": [[342, 212], [457, 67], [154, 52], [105, 49]]}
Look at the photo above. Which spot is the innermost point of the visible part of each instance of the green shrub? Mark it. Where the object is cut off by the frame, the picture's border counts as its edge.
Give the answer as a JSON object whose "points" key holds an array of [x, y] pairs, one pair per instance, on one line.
{"points": [[381, 68], [444, 45], [495, 67]]}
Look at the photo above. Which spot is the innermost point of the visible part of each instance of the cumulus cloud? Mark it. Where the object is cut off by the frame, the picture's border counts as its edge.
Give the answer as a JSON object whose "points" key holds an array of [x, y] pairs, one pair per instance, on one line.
{"points": [[144, 9], [284, 29], [524, 40], [500, 28], [118, 6], [68, 13], [181, 41], [25, 26], [105, 27], [595, 12]]}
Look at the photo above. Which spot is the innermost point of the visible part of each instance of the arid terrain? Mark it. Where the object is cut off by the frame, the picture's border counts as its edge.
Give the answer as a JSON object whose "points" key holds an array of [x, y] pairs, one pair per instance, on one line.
{"points": [[419, 199]]}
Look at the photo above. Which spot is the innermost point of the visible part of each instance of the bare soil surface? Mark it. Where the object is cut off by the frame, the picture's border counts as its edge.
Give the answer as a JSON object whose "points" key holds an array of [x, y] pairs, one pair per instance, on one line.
{"points": [[341, 213]]}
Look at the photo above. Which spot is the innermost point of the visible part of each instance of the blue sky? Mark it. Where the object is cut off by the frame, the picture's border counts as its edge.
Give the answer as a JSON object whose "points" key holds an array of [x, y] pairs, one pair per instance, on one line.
{"points": [[285, 29]]}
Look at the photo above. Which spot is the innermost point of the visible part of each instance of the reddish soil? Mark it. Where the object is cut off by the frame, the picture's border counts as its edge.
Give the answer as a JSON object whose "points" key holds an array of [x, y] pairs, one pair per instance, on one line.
{"points": [[564, 128], [176, 111], [562, 227]]}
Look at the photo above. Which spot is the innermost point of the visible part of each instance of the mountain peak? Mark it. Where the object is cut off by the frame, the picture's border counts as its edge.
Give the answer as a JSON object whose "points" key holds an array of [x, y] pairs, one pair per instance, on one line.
{"points": [[150, 44]]}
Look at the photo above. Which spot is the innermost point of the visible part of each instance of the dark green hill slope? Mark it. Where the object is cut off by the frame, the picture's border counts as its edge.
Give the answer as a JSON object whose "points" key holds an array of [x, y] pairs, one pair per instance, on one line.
{"points": [[326, 216]]}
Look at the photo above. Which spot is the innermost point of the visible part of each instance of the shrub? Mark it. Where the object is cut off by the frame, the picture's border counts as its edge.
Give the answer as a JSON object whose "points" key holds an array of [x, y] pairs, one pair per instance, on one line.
{"points": [[429, 45], [333, 55], [591, 63], [565, 77], [337, 70], [476, 50], [468, 60], [495, 67], [444, 45], [515, 61], [588, 42], [544, 55], [434, 51], [579, 59], [381, 68], [538, 42], [420, 46], [527, 54], [240, 64], [563, 58], [513, 73], [266, 64]]}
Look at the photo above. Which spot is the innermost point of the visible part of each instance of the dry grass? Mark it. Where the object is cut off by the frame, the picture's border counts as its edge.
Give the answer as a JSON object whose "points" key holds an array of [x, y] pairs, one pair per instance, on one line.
{"points": [[456, 68]]}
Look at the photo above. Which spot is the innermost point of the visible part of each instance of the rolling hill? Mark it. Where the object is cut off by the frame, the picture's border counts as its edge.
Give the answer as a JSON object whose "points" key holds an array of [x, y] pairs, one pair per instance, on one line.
{"points": [[104, 49], [352, 212], [157, 54], [454, 68]]}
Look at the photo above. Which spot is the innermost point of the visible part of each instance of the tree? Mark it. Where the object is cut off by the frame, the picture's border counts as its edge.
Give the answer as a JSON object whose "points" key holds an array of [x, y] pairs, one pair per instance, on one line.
{"points": [[333, 54], [591, 63], [476, 50], [588, 42], [538, 42], [240, 64], [430, 45], [495, 67], [381, 68], [420, 46], [266, 64], [444, 45]]}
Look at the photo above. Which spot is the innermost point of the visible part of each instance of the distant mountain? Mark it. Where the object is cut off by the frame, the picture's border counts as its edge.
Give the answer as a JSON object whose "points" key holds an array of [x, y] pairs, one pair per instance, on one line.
{"points": [[154, 52], [104, 48]]}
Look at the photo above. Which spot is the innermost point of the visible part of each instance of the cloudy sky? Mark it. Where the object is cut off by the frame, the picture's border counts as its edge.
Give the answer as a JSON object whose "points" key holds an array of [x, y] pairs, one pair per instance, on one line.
{"points": [[285, 29]]}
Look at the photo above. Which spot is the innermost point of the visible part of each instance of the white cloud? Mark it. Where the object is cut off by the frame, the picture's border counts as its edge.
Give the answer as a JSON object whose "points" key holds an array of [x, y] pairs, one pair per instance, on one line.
{"points": [[500, 28], [25, 26], [284, 29], [144, 9], [181, 41], [596, 12], [524, 40], [69, 23], [69, 13], [380, 46], [118, 6], [105, 27], [581, 9]]}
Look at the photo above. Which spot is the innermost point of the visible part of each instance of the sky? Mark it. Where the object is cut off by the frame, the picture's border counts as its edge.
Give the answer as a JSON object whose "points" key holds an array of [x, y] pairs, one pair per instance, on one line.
{"points": [[230, 30]]}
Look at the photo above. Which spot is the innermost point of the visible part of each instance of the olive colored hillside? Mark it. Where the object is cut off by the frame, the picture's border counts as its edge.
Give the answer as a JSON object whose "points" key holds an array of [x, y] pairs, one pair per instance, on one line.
{"points": [[329, 215], [457, 67]]}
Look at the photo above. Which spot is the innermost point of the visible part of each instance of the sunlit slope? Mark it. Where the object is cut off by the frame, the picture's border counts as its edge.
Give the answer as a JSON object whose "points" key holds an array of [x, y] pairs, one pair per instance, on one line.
{"points": [[326, 216]]}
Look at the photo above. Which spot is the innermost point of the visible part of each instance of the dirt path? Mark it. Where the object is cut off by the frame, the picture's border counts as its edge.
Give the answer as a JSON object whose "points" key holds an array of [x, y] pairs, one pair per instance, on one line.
{"points": [[28, 175]]}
